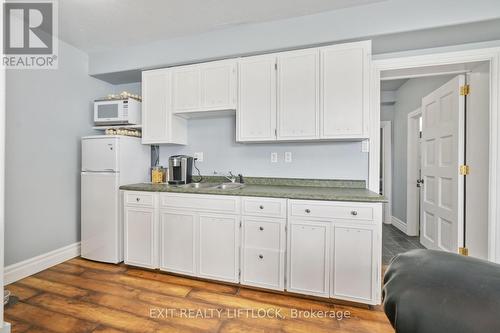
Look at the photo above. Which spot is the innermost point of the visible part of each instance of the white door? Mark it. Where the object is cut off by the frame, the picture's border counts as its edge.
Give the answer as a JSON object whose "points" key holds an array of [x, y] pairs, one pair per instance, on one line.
{"points": [[352, 279], [218, 83], [218, 250], [442, 154], [298, 95], [101, 231], [308, 269], [344, 90], [256, 112], [186, 88], [178, 242], [140, 232], [156, 106], [100, 154]]}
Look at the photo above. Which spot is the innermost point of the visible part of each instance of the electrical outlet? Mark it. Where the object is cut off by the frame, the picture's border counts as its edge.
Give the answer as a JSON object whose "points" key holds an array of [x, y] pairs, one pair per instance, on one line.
{"points": [[274, 157], [198, 156], [288, 157]]}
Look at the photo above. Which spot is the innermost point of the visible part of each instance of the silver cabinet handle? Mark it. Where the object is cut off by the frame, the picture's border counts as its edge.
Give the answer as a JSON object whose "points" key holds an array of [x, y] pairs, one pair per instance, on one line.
{"points": [[261, 228], [308, 210], [261, 207], [354, 213], [261, 256]]}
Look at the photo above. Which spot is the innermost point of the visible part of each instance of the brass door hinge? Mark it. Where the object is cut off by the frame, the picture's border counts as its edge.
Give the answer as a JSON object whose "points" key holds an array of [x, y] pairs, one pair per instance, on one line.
{"points": [[464, 170], [463, 251], [464, 90]]}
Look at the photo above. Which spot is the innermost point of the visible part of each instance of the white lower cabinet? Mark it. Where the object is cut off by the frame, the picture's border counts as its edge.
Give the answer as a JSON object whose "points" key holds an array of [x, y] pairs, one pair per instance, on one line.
{"points": [[178, 231], [309, 257], [353, 259], [140, 229], [319, 248], [218, 247]]}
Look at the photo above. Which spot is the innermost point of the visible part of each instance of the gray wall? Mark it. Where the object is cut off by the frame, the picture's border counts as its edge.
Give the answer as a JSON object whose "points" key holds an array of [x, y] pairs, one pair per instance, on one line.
{"points": [[408, 99], [47, 113]]}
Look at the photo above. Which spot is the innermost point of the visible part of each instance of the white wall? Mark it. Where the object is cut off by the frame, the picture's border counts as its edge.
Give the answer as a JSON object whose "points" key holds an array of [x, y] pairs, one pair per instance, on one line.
{"points": [[47, 113], [408, 99]]}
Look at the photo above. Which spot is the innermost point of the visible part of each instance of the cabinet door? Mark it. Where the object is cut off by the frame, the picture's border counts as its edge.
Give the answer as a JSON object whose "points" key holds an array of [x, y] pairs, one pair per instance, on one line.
{"points": [[139, 234], [218, 250], [186, 92], [344, 90], [298, 95], [353, 279], [156, 106], [178, 242], [218, 85], [256, 112], [308, 269]]}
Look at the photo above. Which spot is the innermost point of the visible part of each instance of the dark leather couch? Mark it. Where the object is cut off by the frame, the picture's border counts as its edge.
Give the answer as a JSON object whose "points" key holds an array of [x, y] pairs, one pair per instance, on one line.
{"points": [[429, 291]]}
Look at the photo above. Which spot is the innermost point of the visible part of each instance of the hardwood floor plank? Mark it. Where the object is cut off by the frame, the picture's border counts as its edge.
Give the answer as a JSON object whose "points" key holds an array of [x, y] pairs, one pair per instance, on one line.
{"points": [[52, 287], [68, 268], [103, 329], [89, 284], [21, 292], [38, 330], [96, 314], [188, 282], [97, 265], [144, 309], [284, 300], [46, 319], [135, 282], [17, 326], [233, 326]]}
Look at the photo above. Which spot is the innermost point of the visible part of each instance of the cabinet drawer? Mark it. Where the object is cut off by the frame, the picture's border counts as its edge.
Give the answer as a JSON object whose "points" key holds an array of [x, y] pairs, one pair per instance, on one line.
{"points": [[201, 202], [142, 199], [264, 207], [331, 210], [263, 268], [264, 233]]}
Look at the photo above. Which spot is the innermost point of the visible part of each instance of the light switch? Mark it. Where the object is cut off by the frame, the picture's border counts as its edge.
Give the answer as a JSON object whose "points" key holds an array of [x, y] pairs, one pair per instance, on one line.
{"points": [[274, 157], [288, 157]]}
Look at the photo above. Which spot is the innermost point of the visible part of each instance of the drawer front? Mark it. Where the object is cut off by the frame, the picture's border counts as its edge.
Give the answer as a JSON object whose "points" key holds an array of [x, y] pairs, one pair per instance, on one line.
{"points": [[264, 207], [331, 210], [142, 199], [201, 202], [264, 233], [263, 268]]}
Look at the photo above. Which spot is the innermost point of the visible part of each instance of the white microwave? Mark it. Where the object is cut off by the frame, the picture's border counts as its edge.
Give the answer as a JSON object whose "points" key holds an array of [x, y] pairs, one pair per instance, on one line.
{"points": [[117, 112]]}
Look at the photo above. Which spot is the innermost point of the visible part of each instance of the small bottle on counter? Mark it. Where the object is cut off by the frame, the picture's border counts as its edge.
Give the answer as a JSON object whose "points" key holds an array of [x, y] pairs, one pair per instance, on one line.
{"points": [[156, 175]]}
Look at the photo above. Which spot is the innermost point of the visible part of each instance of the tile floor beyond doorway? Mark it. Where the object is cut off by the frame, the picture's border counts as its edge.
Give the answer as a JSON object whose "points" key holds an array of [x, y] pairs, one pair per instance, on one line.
{"points": [[394, 241]]}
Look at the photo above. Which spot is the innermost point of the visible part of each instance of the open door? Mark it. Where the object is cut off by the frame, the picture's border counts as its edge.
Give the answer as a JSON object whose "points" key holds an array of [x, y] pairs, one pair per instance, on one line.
{"points": [[442, 154]]}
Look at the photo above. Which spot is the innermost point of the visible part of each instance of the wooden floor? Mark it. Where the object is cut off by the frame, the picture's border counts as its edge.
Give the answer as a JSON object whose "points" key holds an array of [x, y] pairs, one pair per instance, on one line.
{"points": [[84, 296]]}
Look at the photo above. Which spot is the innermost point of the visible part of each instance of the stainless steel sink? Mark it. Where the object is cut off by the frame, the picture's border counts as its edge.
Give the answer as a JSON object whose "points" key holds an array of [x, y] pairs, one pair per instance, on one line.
{"points": [[229, 186], [199, 185]]}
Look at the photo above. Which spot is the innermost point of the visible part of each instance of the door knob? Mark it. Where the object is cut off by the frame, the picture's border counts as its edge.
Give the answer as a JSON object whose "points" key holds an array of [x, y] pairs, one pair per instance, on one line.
{"points": [[308, 210], [261, 228], [261, 207], [354, 213], [261, 256]]}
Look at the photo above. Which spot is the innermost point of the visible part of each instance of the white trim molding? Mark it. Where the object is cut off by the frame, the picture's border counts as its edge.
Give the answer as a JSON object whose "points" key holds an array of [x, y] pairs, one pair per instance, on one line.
{"points": [[492, 55], [399, 224], [36, 264]]}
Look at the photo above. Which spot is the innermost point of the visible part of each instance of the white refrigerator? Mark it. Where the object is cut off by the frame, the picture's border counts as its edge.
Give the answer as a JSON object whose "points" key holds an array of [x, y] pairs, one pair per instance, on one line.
{"points": [[107, 163]]}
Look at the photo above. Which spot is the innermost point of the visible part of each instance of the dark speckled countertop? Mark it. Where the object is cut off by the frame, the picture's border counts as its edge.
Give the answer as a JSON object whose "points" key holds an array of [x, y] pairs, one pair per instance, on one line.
{"points": [[290, 188]]}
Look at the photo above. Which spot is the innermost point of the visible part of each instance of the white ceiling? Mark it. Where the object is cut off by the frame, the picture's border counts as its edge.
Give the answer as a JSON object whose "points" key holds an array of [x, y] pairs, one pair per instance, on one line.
{"points": [[97, 25], [392, 85]]}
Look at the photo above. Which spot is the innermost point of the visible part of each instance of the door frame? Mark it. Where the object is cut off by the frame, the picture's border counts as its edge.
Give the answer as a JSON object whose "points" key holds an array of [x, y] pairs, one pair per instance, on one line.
{"points": [[412, 222], [400, 61], [386, 126]]}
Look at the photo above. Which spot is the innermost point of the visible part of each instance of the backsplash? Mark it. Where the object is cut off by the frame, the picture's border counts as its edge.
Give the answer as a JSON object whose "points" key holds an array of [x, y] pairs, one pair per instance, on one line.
{"points": [[215, 138]]}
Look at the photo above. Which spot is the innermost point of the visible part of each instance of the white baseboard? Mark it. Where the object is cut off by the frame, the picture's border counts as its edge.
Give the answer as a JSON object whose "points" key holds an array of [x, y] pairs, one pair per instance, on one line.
{"points": [[399, 224], [20, 270]]}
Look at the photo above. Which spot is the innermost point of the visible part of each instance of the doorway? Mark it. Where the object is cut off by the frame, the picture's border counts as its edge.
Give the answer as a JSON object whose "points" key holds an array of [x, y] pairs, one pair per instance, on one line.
{"points": [[429, 206]]}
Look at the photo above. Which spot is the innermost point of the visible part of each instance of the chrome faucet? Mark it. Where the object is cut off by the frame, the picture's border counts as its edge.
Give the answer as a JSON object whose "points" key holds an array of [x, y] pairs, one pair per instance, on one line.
{"points": [[231, 177]]}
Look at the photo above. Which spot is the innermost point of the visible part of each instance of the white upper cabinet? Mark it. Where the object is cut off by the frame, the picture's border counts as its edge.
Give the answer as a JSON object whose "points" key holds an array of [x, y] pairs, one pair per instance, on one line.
{"points": [[158, 123], [298, 95], [256, 115], [205, 87], [345, 90]]}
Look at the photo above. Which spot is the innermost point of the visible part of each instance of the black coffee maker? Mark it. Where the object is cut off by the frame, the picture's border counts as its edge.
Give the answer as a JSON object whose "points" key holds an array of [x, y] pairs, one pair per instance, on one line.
{"points": [[180, 169]]}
